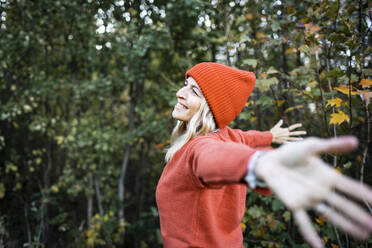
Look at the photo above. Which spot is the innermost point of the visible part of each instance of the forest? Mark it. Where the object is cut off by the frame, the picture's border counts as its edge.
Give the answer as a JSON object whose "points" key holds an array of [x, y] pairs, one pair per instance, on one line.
{"points": [[87, 88]]}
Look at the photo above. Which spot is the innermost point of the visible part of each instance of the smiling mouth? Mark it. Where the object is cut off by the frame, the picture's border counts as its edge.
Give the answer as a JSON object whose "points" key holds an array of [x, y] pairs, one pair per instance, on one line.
{"points": [[181, 106]]}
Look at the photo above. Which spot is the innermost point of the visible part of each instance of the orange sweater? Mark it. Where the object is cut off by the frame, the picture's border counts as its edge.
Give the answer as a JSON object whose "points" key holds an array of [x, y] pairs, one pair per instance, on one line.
{"points": [[200, 194]]}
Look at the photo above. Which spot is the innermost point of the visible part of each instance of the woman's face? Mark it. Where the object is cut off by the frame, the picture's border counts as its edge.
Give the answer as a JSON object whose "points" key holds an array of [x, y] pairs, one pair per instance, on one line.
{"points": [[189, 99]]}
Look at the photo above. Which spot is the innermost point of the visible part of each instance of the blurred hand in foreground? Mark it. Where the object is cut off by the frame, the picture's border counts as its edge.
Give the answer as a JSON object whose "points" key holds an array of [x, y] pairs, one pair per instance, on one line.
{"points": [[303, 182]]}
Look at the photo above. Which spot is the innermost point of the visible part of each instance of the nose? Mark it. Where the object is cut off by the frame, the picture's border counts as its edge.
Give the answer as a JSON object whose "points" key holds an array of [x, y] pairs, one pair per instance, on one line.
{"points": [[181, 93]]}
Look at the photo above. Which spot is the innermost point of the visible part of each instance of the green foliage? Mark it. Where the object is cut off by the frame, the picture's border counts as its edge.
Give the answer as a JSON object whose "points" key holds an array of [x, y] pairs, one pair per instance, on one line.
{"points": [[82, 82]]}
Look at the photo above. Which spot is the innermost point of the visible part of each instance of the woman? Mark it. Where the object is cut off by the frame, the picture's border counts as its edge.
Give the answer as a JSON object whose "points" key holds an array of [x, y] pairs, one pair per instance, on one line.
{"points": [[201, 193]]}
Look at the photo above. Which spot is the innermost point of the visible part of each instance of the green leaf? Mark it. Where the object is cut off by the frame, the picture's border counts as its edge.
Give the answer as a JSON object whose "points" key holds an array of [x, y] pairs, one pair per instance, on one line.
{"points": [[287, 216], [337, 72], [244, 38], [251, 62], [336, 37], [367, 72], [275, 26], [277, 205], [255, 212], [272, 70], [265, 83]]}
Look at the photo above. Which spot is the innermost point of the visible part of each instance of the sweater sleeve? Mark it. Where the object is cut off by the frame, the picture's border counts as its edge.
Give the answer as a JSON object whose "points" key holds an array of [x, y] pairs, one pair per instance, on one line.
{"points": [[216, 162], [254, 138]]}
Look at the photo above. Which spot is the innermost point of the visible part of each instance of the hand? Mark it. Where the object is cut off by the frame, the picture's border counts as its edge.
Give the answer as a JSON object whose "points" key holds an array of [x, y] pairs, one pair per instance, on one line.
{"points": [[283, 135], [303, 181]]}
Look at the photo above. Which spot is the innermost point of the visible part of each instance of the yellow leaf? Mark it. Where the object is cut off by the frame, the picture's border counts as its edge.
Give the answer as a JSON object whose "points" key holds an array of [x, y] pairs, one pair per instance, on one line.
{"points": [[319, 36], [308, 25], [304, 48], [312, 28], [261, 231], [324, 4], [38, 161], [94, 76], [270, 220], [261, 35], [290, 9], [325, 239], [2, 190], [312, 83], [293, 108], [55, 189], [243, 226], [263, 75], [290, 50], [18, 186], [339, 117], [59, 139], [365, 95], [315, 29], [159, 146], [344, 89], [335, 102], [334, 246], [305, 20], [280, 102], [251, 102], [365, 83], [320, 220], [250, 17]]}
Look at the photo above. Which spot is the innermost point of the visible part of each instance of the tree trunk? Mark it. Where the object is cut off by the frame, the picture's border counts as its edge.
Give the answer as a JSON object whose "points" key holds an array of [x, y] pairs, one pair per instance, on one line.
{"points": [[98, 195], [124, 165], [90, 201]]}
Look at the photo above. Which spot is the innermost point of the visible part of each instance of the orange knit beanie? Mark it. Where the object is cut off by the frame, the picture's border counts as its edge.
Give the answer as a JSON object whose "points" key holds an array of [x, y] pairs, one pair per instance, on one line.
{"points": [[226, 89]]}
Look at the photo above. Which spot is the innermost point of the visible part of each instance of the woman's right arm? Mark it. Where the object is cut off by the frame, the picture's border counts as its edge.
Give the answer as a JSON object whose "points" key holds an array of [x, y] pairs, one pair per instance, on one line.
{"points": [[216, 162]]}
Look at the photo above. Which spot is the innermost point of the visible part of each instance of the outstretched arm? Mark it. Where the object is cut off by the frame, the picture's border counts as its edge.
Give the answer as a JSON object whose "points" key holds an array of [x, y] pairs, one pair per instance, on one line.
{"points": [[303, 181], [284, 135]]}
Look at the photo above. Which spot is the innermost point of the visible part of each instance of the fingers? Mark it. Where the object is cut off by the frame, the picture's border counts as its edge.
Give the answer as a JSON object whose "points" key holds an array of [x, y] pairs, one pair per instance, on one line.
{"points": [[341, 221], [354, 188], [294, 126], [351, 209], [295, 138], [297, 133], [288, 140], [280, 122], [314, 145], [306, 229], [337, 145]]}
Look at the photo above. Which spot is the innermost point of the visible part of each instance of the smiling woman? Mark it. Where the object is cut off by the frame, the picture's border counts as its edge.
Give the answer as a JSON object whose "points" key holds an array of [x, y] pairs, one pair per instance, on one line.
{"points": [[190, 98], [193, 115], [201, 192]]}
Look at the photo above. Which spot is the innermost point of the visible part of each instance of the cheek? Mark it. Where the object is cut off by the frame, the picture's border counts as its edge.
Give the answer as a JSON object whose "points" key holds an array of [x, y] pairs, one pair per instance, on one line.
{"points": [[195, 105]]}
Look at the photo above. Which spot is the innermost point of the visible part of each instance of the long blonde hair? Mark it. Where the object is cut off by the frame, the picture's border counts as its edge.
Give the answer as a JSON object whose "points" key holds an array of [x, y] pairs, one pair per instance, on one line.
{"points": [[201, 123]]}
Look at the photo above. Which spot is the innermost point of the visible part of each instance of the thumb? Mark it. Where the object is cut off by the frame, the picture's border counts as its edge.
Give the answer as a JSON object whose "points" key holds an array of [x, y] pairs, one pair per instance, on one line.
{"points": [[280, 122]]}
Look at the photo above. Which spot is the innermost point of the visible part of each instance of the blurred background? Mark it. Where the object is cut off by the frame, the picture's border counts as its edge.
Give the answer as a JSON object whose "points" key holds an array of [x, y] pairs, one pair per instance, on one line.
{"points": [[87, 88]]}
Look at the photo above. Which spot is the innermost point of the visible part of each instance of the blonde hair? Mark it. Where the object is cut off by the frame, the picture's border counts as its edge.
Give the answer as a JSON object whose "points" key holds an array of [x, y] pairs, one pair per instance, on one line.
{"points": [[201, 123]]}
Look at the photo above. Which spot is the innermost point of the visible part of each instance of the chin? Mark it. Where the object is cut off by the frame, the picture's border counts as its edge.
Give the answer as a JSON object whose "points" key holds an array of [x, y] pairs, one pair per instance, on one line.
{"points": [[178, 116]]}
